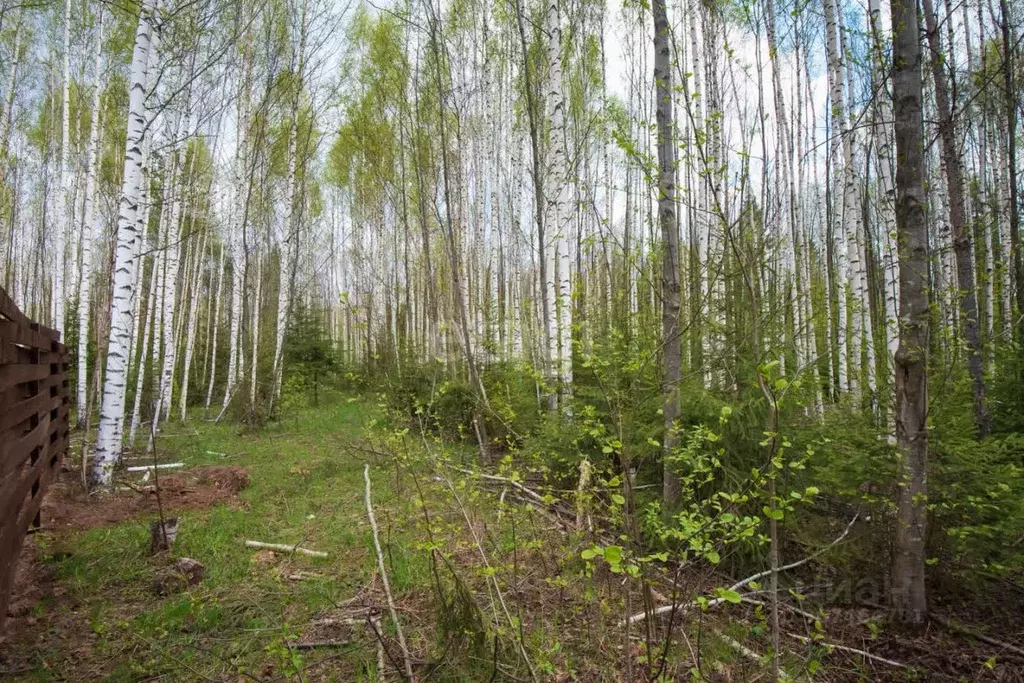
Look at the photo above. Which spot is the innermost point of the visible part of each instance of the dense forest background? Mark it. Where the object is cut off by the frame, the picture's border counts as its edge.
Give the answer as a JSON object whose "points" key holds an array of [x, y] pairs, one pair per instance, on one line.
{"points": [[731, 276]]}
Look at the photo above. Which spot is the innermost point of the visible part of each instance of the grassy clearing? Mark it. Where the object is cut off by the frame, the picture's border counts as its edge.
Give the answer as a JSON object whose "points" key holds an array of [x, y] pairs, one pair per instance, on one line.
{"points": [[306, 488]]}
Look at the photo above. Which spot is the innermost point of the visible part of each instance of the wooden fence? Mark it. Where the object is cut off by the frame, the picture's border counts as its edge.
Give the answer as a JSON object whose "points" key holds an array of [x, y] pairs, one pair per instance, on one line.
{"points": [[34, 428]]}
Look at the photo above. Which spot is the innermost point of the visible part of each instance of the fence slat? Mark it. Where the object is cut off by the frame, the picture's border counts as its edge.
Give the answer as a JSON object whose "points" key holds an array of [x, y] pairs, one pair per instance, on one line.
{"points": [[34, 428]]}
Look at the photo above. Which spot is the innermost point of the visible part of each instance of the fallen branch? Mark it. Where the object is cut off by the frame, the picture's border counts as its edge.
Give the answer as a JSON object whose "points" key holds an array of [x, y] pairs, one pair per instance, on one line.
{"points": [[794, 610], [504, 480], [665, 609], [348, 621], [147, 468], [384, 578], [964, 630], [280, 547], [747, 652], [852, 650], [314, 644], [794, 565]]}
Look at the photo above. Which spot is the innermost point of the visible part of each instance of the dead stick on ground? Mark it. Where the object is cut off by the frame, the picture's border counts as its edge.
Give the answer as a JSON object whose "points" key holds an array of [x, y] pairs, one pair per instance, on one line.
{"points": [[384, 578], [852, 650], [750, 579], [964, 630], [147, 468], [314, 644], [504, 480], [281, 547], [745, 651]]}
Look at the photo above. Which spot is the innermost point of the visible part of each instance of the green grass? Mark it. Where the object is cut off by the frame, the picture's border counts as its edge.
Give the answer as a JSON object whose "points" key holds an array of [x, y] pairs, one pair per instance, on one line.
{"points": [[306, 487]]}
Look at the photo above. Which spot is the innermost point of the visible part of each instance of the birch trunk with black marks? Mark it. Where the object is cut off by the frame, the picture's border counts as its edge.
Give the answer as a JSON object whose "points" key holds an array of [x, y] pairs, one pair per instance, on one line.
{"points": [[111, 425]]}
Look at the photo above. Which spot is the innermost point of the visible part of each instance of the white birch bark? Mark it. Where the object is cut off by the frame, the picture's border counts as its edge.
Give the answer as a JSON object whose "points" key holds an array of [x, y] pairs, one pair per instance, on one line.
{"points": [[85, 283], [191, 332], [172, 256], [786, 208], [861, 343], [839, 237], [800, 221], [236, 229], [255, 327], [7, 113], [147, 329], [560, 217], [109, 437], [699, 229], [1005, 255], [215, 324], [288, 244], [64, 192], [887, 206]]}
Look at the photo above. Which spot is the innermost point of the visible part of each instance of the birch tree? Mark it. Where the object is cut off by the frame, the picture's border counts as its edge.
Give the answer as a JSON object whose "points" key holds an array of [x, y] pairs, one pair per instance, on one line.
{"points": [[88, 220], [109, 437]]}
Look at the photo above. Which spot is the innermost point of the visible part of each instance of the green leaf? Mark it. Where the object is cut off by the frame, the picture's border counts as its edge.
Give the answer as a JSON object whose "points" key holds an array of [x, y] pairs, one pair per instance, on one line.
{"points": [[729, 595], [618, 499]]}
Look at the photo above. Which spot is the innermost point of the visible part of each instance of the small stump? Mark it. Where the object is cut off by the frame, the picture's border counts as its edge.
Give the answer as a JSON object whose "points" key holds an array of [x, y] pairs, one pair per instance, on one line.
{"points": [[184, 572]]}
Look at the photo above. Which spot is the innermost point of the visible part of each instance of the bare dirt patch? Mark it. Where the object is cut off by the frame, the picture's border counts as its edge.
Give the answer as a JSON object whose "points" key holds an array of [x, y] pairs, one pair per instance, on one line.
{"points": [[68, 507]]}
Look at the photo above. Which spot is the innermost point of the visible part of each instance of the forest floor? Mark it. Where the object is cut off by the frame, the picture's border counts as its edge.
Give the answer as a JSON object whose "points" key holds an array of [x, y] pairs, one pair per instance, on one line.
{"points": [[91, 603]]}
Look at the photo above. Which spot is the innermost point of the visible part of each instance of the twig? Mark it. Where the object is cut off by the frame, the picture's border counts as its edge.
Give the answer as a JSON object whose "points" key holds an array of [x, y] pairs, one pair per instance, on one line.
{"points": [[156, 483], [794, 610], [853, 650], [284, 548], [347, 621], [740, 647], [504, 480], [314, 644], [384, 578], [491, 573], [964, 630], [640, 616]]}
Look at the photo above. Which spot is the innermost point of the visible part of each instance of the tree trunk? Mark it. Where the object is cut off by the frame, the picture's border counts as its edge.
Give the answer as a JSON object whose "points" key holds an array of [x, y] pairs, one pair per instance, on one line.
{"points": [[111, 426], [882, 113], [147, 328], [909, 600], [1010, 95], [561, 217], [62, 214], [672, 347], [839, 248], [85, 284], [958, 219], [215, 324], [288, 246], [538, 194]]}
